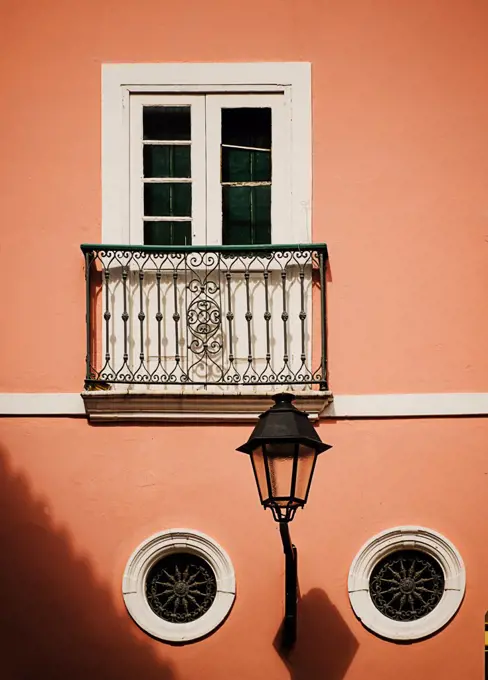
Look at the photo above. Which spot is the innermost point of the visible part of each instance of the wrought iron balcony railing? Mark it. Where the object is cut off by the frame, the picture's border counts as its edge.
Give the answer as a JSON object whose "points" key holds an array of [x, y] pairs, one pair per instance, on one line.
{"points": [[193, 315]]}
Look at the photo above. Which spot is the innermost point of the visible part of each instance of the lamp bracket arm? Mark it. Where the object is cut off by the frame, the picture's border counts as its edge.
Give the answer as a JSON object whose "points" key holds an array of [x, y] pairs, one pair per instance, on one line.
{"points": [[291, 587]]}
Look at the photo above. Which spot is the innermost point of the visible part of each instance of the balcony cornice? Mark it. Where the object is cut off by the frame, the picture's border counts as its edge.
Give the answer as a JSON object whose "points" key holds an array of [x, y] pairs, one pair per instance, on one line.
{"points": [[140, 404]]}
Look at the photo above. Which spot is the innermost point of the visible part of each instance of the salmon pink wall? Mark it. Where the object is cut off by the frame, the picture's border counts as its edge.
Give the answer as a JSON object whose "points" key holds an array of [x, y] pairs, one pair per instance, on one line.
{"points": [[400, 104], [400, 159], [76, 500]]}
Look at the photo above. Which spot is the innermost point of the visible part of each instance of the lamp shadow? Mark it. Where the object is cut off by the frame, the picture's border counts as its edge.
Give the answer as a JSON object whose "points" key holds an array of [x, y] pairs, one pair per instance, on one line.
{"points": [[325, 646], [57, 618]]}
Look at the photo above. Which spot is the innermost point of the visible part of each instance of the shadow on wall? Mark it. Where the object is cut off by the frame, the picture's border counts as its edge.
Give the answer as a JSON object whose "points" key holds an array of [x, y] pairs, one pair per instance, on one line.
{"points": [[325, 645], [57, 621]]}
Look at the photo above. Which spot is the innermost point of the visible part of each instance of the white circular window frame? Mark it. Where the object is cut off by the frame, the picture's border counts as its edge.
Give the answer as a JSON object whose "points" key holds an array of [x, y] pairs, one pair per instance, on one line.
{"points": [[406, 538], [166, 543]]}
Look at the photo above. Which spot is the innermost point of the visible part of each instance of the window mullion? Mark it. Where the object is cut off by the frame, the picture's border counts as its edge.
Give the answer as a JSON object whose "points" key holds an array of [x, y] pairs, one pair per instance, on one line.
{"points": [[281, 231], [213, 189], [198, 171], [136, 186]]}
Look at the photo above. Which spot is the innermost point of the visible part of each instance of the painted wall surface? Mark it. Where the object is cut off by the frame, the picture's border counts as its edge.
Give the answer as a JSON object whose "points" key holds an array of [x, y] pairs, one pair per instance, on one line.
{"points": [[78, 499], [400, 104], [400, 140]]}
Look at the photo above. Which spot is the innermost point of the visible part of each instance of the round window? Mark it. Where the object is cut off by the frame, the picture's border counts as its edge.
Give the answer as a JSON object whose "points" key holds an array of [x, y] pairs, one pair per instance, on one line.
{"points": [[406, 583], [179, 585]]}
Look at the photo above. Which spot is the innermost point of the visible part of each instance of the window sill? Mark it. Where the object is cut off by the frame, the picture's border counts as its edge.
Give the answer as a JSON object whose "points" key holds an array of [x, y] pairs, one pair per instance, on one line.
{"points": [[141, 404]]}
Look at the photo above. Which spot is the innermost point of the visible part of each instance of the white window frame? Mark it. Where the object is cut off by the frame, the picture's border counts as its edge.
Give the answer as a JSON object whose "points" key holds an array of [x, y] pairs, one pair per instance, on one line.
{"points": [[166, 543], [406, 538], [119, 81]]}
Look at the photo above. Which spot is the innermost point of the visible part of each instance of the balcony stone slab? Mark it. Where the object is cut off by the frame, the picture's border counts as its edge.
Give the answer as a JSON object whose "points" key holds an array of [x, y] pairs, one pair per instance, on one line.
{"points": [[143, 403]]}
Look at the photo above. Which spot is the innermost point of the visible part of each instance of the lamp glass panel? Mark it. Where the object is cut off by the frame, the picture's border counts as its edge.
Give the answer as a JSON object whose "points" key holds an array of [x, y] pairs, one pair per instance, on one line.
{"points": [[280, 458], [260, 472], [306, 459]]}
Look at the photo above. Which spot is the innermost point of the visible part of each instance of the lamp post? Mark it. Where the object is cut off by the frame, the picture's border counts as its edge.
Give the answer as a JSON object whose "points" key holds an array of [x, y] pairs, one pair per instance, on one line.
{"points": [[283, 449]]}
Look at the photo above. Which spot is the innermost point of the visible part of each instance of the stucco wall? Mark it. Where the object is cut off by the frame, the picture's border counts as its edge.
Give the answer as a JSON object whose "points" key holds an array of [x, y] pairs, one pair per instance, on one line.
{"points": [[77, 499], [400, 134], [400, 104]]}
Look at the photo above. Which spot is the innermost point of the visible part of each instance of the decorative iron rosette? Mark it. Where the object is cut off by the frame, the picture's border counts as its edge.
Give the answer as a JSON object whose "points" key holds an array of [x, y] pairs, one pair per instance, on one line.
{"points": [[180, 587], [406, 585]]}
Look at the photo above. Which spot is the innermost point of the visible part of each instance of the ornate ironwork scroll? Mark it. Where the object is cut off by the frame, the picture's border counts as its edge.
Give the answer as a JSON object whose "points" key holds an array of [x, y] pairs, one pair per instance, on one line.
{"points": [[180, 587], [406, 585], [204, 317]]}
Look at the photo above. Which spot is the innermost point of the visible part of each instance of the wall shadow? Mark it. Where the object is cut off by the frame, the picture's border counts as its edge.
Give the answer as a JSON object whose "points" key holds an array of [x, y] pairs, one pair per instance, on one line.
{"points": [[57, 620], [325, 646]]}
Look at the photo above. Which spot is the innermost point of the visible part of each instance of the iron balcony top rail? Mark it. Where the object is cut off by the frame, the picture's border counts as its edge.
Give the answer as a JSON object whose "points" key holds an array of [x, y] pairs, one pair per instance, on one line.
{"points": [[318, 247]]}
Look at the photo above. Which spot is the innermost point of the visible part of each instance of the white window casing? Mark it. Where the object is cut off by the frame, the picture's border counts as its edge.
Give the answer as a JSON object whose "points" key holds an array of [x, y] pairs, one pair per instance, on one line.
{"points": [[283, 86], [406, 538]]}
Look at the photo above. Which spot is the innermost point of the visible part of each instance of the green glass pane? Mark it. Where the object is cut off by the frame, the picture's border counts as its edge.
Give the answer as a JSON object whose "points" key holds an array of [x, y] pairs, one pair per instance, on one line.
{"points": [[239, 165], [167, 233], [246, 215], [166, 122], [167, 199], [166, 161], [247, 127]]}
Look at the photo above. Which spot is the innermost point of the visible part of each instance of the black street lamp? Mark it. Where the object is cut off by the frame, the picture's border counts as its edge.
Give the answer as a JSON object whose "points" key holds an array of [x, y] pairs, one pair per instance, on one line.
{"points": [[283, 448]]}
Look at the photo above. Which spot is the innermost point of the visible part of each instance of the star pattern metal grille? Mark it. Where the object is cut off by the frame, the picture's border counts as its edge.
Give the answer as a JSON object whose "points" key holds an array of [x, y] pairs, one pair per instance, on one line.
{"points": [[180, 587], [406, 585]]}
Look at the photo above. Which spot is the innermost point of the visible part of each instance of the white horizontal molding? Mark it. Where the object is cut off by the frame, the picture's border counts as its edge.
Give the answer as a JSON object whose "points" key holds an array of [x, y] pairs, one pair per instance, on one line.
{"points": [[41, 404], [343, 406], [407, 405]]}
